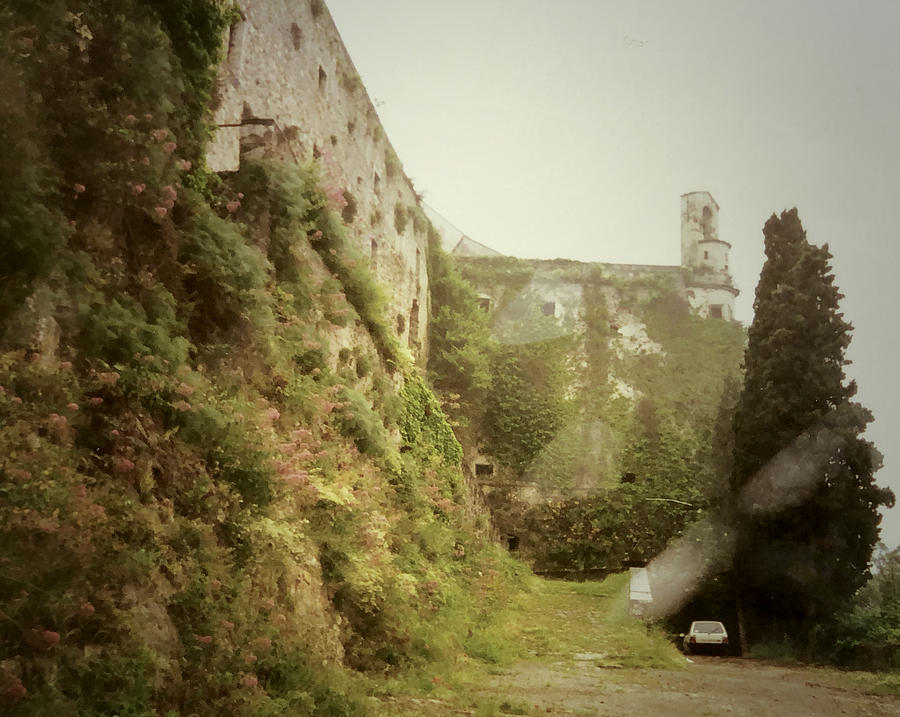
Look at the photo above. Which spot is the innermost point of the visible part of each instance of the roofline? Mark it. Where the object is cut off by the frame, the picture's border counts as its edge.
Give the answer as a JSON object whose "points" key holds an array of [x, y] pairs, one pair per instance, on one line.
{"points": [[703, 191], [714, 241]]}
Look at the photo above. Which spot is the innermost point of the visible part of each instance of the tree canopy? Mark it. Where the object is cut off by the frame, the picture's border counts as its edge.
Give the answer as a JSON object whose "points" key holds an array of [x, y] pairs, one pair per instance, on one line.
{"points": [[802, 487]]}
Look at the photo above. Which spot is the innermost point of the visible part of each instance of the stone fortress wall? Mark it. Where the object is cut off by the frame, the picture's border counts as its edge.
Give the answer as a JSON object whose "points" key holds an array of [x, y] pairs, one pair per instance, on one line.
{"points": [[288, 90]]}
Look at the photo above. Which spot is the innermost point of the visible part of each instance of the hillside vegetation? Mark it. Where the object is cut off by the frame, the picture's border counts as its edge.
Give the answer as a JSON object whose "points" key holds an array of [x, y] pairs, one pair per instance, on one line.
{"points": [[223, 482]]}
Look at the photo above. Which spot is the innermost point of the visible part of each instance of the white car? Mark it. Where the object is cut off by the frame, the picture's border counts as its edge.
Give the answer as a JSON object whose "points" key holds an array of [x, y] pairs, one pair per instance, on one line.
{"points": [[706, 635]]}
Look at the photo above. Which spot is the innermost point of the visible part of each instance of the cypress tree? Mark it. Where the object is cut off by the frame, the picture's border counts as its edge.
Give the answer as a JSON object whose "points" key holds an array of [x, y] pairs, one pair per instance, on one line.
{"points": [[802, 488]]}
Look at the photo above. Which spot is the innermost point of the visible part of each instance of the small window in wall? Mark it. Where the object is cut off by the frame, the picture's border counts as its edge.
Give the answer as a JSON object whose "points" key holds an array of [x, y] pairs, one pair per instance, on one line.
{"points": [[414, 324], [548, 308], [706, 255], [401, 323], [484, 303], [296, 35], [512, 543], [715, 311], [377, 184], [484, 469], [322, 78]]}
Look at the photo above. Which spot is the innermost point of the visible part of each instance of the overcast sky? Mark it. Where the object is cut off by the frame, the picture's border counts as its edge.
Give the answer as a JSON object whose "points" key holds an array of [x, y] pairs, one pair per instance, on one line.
{"points": [[570, 128]]}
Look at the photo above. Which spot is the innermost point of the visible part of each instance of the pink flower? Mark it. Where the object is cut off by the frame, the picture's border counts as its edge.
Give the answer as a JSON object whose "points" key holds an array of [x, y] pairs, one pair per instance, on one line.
{"points": [[114, 432], [249, 681], [204, 639], [182, 406], [95, 400], [16, 399], [122, 465], [250, 658], [233, 206], [148, 116], [78, 187], [183, 164], [72, 406], [86, 609], [184, 390], [14, 690], [170, 192], [169, 147], [263, 643], [273, 414], [159, 134], [240, 195], [65, 365], [138, 188], [51, 638], [130, 119], [108, 378], [228, 625], [168, 204], [161, 212]]}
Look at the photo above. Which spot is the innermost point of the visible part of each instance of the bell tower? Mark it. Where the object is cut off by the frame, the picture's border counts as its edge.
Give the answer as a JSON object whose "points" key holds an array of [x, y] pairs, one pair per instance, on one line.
{"points": [[704, 257]]}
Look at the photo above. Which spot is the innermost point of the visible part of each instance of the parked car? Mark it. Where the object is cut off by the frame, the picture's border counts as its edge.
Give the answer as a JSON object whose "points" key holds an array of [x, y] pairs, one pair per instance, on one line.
{"points": [[706, 635]]}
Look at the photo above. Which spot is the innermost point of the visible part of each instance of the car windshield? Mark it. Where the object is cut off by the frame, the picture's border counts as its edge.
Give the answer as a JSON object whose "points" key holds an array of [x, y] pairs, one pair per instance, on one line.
{"points": [[708, 627]]}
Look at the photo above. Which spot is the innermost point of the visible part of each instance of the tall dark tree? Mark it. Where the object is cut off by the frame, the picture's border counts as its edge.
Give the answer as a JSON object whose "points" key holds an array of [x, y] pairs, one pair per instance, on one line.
{"points": [[802, 488]]}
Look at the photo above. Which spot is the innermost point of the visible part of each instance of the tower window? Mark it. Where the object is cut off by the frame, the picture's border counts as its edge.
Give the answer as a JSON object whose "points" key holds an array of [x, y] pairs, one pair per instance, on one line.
{"points": [[715, 311], [706, 255], [548, 308], [484, 469]]}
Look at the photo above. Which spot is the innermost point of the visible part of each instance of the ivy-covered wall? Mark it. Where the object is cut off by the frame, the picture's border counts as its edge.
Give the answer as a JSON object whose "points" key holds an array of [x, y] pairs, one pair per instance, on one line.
{"points": [[599, 421]]}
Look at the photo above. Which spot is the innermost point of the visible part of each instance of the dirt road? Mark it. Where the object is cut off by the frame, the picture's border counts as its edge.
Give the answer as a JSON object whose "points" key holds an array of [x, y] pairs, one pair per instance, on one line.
{"points": [[708, 686]]}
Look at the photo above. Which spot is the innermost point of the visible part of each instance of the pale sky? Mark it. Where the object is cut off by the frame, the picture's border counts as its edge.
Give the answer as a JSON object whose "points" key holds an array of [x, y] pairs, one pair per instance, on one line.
{"points": [[570, 128]]}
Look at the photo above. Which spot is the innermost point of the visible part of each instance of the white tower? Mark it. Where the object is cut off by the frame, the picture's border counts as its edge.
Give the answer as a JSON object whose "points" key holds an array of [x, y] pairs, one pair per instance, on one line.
{"points": [[704, 257]]}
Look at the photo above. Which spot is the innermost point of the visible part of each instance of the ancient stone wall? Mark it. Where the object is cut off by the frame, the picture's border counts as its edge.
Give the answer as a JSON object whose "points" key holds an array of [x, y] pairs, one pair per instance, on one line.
{"points": [[288, 90]]}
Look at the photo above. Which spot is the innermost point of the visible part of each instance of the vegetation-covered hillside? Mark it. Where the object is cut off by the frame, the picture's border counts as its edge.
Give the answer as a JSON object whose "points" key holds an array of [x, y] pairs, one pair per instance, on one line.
{"points": [[221, 479]]}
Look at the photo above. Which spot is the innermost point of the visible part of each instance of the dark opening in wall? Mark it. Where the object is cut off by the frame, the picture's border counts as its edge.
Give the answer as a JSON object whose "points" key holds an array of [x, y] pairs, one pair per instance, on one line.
{"points": [[316, 151], [322, 78], [706, 223], [548, 308], [374, 252], [401, 323], [706, 255], [484, 303], [351, 127], [512, 543], [715, 311], [334, 140], [348, 213], [296, 35], [628, 478], [484, 469], [414, 324], [377, 184]]}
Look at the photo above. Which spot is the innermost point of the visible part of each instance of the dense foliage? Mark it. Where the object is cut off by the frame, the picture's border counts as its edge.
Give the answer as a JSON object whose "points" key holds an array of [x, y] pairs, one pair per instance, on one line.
{"points": [[803, 495], [204, 504]]}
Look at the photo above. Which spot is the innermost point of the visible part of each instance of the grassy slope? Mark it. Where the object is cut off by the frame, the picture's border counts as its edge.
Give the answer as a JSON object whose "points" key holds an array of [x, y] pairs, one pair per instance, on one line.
{"points": [[554, 623]]}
